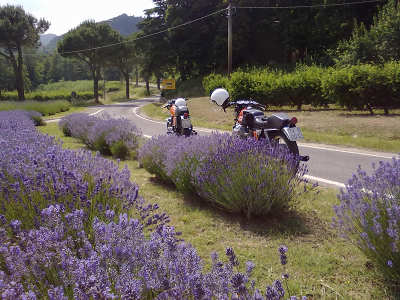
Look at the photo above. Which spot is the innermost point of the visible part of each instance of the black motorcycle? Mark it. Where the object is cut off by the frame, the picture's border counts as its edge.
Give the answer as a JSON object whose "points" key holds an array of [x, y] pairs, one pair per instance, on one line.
{"points": [[250, 121], [179, 122]]}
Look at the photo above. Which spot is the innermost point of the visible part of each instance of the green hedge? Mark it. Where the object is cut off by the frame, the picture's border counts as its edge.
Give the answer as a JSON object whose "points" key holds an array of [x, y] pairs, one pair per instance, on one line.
{"points": [[364, 86], [357, 87]]}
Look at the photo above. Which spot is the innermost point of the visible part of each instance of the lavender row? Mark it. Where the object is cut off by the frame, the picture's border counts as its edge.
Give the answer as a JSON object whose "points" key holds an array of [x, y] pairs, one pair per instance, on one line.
{"points": [[72, 226], [116, 137], [369, 216], [238, 175]]}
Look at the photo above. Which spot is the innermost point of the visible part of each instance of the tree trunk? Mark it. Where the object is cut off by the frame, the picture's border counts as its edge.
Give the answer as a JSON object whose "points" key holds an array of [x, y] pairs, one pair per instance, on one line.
{"points": [[371, 110], [386, 111], [95, 85], [137, 77], [20, 76], [127, 85], [148, 87], [158, 83]]}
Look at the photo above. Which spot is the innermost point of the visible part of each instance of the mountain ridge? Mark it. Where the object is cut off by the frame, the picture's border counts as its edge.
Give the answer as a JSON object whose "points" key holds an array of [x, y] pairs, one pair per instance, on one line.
{"points": [[124, 24]]}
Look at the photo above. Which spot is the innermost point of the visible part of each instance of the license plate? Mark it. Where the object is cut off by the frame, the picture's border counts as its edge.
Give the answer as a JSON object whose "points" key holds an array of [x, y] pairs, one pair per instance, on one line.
{"points": [[186, 123], [293, 133]]}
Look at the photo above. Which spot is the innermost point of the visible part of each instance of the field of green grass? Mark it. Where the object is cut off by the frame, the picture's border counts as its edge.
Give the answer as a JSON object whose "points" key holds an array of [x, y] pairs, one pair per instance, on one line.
{"points": [[320, 263], [333, 126], [46, 108]]}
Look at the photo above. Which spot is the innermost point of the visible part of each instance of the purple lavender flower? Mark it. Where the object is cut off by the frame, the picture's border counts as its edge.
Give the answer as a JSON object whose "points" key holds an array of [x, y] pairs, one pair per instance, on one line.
{"points": [[369, 214]]}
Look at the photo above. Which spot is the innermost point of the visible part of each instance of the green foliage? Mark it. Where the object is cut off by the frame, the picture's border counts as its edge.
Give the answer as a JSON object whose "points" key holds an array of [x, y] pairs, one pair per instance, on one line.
{"points": [[120, 150], [96, 35], [18, 30], [45, 108], [271, 87], [379, 44], [47, 95], [364, 86], [214, 81]]}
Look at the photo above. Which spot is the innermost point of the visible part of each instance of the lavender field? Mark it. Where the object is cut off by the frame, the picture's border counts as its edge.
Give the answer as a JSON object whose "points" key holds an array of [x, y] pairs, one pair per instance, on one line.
{"points": [[73, 226]]}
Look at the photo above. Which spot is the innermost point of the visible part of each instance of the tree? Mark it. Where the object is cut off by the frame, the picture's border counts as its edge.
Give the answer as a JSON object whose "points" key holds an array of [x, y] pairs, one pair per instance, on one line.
{"points": [[18, 29], [90, 42], [125, 58], [379, 44]]}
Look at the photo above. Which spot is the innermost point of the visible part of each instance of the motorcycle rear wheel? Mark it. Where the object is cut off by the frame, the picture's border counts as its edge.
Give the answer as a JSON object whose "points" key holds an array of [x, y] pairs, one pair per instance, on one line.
{"points": [[283, 142]]}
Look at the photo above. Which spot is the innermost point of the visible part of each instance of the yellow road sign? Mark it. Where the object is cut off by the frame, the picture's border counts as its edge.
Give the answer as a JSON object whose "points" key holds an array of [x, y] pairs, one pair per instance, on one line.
{"points": [[168, 84]]}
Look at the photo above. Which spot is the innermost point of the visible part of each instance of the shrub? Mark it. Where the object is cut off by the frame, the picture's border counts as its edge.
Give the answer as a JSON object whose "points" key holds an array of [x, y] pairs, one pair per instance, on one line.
{"points": [[249, 177], [369, 216], [119, 150], [153, 154], [213, 81], [364, 86], [225, 170], [117, 137]]}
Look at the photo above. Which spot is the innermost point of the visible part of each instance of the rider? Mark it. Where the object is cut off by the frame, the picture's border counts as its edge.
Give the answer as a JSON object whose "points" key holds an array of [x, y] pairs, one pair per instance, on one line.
{"points": [[174, 103]]}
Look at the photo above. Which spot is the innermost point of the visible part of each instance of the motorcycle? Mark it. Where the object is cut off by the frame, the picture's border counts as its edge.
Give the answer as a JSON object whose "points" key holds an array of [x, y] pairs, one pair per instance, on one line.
{"points": [[250, 121], [179, 122]]}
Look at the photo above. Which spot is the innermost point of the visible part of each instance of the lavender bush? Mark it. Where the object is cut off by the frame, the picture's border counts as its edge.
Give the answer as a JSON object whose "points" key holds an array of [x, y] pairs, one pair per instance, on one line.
{"points": [[35, 172], [250, 177], [116, 137], [369, 215], [72, 226], [247, 176], [60, 260]]}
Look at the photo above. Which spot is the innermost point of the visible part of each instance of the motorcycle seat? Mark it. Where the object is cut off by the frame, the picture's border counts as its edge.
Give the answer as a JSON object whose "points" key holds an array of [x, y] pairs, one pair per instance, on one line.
{"points": [[260, 122]]}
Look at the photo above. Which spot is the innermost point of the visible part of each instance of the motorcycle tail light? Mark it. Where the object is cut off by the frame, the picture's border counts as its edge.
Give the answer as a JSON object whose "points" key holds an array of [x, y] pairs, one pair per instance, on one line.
{"points": [[186, 115], [293, 121]]}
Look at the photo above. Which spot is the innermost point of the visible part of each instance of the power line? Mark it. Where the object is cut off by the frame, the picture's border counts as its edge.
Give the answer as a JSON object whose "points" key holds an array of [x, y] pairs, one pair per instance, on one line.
{"points": [[212, 14], [139, 38], [148, 35], [308, 6]]}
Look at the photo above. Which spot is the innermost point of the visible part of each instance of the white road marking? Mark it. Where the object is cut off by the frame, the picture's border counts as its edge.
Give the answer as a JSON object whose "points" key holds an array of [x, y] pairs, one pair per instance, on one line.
{"points": [[95, 113], [344, 151], [135, 111], [309, 177], [57, 120], [323, 180], [137, 115]]}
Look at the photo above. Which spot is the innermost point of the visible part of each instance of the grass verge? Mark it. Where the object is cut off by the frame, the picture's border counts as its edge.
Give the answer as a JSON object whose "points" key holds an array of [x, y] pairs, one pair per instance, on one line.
{"points": [[320, 265], [329, 126], [46, 108]]}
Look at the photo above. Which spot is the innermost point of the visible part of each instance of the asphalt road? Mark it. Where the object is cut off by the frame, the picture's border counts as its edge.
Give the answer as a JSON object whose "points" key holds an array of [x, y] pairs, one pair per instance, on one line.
{"points": [[329, 165]]}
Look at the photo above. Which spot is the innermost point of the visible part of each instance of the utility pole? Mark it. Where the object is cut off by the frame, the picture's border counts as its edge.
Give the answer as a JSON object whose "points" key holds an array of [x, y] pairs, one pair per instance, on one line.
{"points": [[230, 38]]}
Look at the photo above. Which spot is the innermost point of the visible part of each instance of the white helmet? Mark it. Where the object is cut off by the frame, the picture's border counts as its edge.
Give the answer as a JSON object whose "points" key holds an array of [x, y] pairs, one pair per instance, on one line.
{"points": [[219, 96], [180, 102]]}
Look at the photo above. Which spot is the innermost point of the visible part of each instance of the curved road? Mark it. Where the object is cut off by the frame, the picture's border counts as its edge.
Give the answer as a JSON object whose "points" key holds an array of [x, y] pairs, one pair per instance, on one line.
{"points": [[328, 165]]}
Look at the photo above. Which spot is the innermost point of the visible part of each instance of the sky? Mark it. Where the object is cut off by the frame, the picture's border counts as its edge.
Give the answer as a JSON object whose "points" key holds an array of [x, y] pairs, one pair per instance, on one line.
{"points": [[67, 14]]}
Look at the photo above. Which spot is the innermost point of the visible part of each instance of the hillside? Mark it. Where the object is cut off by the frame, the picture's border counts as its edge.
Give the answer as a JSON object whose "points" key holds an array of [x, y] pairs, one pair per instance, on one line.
{"points": [[124, 24], [46, 38]]}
